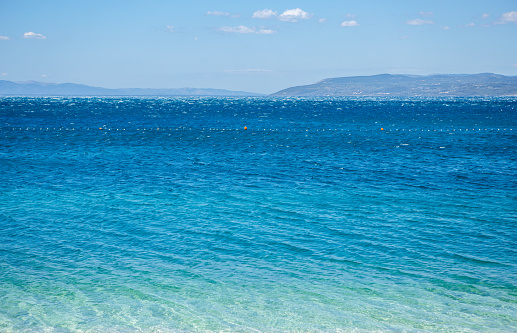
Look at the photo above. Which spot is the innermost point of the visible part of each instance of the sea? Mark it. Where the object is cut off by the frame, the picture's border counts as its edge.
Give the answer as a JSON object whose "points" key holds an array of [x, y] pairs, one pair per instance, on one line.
{"points": [[199, 214]]}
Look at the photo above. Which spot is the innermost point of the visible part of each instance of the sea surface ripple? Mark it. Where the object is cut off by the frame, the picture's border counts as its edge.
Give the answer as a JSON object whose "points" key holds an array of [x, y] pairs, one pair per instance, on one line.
{"points": [[324, 215]]}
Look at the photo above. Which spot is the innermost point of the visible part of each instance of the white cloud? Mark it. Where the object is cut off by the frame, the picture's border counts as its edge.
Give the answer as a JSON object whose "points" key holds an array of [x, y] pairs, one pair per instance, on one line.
{"points": [[510, 17], [352, 16], [4, 38], [485, 16], [4, 74], [351, 23], [322, 20], [425, 14], [290, 15], [444, 27], [170, 28], [217, 13], [241, 29], [293, 15], [44, 75], [32, 35], [468, 25], [264, 14], [418, 22], [265, 32]]}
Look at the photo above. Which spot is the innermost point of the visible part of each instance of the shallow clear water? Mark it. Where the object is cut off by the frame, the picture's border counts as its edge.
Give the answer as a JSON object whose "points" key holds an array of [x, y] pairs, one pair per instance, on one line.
{"points": [[131, 214]]}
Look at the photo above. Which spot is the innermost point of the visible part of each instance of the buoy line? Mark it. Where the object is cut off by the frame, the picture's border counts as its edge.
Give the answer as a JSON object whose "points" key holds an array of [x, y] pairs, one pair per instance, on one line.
{"points": [[245, 128]]}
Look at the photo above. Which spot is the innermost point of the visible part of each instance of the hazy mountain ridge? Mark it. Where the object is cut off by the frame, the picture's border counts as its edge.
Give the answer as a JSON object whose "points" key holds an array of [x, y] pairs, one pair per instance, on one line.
{"points": [[485, 84], [33, 88]]}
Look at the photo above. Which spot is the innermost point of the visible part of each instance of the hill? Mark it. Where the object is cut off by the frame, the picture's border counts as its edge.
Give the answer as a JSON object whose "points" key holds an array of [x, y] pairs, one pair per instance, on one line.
{"points": [[486, 84], [33, 88]]}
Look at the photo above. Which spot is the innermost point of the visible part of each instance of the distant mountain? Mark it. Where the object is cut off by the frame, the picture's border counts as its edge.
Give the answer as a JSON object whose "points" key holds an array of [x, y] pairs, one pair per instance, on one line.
{"points": [[485, 84], [33, 88]]}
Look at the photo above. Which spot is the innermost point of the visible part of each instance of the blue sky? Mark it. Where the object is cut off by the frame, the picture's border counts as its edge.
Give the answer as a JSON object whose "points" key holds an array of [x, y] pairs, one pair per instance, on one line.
{"points": [[258, 46]]}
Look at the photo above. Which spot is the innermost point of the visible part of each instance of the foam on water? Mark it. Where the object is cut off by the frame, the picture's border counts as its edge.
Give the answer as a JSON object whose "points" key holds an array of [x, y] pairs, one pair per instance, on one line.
{"points": [[138, 214]]}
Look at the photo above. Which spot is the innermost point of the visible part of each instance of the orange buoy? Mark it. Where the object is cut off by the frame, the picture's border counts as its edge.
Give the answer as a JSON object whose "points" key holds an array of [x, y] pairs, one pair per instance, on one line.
{"points": [[382, 129], [245, 127], [100, 127]]}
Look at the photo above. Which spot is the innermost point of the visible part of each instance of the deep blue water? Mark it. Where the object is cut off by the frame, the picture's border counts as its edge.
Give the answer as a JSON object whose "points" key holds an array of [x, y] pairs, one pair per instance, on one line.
{"points": [[331, 215]]}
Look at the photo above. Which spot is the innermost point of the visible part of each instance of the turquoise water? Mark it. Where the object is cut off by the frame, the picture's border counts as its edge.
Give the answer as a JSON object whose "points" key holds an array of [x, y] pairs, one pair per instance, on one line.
{"points": [[329, 215]]}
